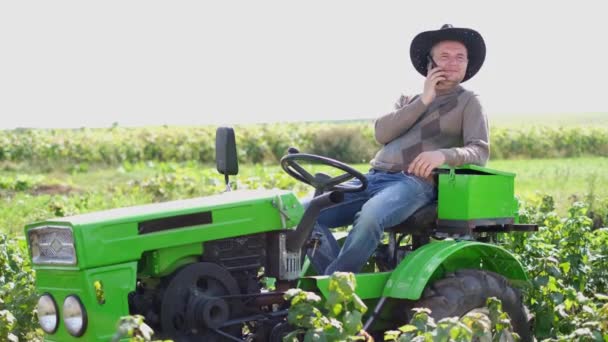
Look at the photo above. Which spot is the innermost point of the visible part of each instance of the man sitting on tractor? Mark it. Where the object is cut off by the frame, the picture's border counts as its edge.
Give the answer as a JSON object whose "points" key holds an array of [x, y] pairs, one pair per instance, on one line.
{"points": [[444, 125]]}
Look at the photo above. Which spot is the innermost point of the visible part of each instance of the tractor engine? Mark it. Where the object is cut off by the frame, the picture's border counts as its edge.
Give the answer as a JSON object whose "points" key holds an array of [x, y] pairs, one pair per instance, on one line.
{"points": [[216, 294], [244, 257], [222, 292]]}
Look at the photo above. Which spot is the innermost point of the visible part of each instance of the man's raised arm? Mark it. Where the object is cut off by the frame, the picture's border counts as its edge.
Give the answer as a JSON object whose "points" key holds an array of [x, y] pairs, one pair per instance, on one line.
{"points": [[394, 124]]}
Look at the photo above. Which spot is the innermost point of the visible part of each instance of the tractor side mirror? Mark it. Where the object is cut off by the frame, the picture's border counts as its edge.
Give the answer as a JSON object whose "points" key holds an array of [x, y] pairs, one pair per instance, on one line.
{"points": [[225, 153]]}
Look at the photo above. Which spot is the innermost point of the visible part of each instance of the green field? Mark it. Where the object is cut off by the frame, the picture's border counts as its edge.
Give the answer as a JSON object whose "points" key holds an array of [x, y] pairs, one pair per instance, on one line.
{"points": [[566, 260], [567, 180], [35, 195]]}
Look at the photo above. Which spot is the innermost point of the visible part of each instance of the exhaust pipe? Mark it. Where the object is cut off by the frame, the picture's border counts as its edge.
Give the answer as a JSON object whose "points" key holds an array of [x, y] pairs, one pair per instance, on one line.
{"points": [[297, 239]]}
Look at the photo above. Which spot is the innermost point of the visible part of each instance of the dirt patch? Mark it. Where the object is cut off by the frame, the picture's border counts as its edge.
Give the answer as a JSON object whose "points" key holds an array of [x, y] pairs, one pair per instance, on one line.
{"points": [[53, 189]]}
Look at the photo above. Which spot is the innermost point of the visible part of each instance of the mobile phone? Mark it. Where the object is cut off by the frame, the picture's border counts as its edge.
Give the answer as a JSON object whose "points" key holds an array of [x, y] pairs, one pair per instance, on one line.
{"points": [[431, 63]]}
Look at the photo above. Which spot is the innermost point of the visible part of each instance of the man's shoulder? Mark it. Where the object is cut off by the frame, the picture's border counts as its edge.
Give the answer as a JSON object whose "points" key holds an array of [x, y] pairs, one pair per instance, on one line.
{"points": [[469, 97], [467, 92], [405, 100]]}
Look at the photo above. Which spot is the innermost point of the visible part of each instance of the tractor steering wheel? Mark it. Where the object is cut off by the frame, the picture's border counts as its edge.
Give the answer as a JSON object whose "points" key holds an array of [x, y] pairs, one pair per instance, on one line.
{"points": [[320, 181]]}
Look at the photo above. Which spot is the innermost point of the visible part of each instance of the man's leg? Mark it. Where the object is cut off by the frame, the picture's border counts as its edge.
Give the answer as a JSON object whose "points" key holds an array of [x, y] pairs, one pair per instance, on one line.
{"points": [[339, 215], [399, 196]]}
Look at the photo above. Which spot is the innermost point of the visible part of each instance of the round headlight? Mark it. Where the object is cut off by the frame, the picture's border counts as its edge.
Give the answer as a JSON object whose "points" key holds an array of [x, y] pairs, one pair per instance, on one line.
{"points": [[47, 313], [74, 316]]}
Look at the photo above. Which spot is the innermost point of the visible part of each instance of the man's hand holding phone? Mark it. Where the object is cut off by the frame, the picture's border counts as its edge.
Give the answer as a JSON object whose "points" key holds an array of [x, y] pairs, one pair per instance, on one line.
{"points": [[434, 75]]}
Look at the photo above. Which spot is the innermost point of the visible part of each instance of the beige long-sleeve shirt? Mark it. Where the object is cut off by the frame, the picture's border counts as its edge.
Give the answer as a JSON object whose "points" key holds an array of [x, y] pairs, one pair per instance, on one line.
{"points": [[454, 123]]}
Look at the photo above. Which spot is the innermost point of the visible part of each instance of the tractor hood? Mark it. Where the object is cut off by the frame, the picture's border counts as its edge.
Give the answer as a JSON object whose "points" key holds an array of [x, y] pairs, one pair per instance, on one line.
{"points": [[121, 235]]}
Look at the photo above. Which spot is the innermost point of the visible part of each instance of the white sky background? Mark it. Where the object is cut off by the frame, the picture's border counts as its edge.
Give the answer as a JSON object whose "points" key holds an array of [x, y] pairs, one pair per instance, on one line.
{"points": [[85, 63]]}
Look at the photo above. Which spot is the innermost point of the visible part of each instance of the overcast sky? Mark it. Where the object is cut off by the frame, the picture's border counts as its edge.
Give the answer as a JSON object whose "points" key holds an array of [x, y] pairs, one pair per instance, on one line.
{"points": [[85, 63]]}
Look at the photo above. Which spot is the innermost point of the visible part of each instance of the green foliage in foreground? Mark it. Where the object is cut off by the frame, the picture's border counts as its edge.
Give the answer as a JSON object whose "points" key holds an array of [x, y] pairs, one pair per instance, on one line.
{"points": [[18, 296], [264, 143], [493, 325], [133, 328], [567, 261], [338, 319]]}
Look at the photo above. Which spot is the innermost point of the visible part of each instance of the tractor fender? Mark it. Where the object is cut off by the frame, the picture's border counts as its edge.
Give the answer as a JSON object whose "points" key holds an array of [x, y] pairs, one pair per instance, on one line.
{"points": [[432, 261]]}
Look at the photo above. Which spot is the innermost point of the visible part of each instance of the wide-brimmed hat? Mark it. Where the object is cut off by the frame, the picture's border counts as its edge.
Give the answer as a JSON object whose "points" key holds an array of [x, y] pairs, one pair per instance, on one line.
{"points": [[472, 40]]}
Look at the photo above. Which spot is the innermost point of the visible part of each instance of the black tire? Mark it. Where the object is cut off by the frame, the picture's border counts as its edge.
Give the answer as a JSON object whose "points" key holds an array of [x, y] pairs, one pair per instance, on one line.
{"points": [[465, 290]]}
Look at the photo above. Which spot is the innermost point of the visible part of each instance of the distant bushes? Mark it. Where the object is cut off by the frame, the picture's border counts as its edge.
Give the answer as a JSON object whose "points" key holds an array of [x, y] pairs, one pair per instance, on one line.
{"points": [[350, 144], [265, 143], [106, 146], [548, 142]]}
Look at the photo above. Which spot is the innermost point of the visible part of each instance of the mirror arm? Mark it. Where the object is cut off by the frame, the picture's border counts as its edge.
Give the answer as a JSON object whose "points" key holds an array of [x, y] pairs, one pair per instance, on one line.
{"points": [[227, 179]]}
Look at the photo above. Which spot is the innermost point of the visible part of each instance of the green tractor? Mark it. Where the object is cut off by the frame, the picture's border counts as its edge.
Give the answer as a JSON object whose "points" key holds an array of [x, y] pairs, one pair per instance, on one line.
{"points": [[195, 268]]}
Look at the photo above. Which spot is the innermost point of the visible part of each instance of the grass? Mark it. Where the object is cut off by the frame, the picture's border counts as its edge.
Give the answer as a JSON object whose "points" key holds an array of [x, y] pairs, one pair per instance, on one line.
{"points": [[567, 180], [64, 193]]}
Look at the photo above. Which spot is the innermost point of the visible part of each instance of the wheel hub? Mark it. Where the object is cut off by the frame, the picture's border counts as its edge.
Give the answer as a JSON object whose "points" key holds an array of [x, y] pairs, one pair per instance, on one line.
{"points": [[207, 311]]}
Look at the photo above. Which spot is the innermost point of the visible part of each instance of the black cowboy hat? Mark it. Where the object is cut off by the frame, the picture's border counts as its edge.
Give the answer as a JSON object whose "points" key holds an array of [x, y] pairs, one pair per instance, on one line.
{"points": [[472, 40]]}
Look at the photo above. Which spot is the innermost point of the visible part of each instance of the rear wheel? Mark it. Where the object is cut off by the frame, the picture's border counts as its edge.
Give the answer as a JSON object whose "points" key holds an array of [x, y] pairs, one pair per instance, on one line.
{"points": [[466, 291]]}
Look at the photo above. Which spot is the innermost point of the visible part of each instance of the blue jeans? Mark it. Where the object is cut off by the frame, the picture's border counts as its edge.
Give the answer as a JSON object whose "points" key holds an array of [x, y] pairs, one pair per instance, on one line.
{"points": [[389, 199]]}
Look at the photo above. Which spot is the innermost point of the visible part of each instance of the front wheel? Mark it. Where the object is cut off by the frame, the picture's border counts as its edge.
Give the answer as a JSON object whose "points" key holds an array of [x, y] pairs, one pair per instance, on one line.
{"points": [[466, 291]]}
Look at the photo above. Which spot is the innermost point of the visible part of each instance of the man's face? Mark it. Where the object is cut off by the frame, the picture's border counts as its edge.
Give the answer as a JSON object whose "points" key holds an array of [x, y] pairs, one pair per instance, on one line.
{"points": [[451, 57]]}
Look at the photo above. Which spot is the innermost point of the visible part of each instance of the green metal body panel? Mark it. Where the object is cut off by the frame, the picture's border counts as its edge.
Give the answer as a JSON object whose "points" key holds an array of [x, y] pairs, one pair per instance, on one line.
{"points": [[164, 261], [432, 261], [111, 237], [486, 194], [117, 280], [428, 263], [110, 249]]}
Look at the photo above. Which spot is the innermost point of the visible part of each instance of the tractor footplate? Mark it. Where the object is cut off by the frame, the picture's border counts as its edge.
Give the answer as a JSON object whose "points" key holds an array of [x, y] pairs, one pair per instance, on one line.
{"points": [[508, 228], [468, 228]]}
